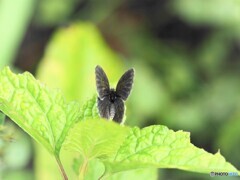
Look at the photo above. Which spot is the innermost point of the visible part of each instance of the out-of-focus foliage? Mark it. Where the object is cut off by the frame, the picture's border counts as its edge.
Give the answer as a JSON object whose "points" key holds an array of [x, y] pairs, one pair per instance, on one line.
{"points": [[228, 138], [13, 143], [221, 13], [70, 60], [14, 19], [52, 12], [13, 162]]}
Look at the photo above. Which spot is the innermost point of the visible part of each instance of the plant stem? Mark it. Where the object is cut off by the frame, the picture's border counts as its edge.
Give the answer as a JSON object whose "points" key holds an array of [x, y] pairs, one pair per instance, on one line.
{"points": [[83, 169], [64, 175]]}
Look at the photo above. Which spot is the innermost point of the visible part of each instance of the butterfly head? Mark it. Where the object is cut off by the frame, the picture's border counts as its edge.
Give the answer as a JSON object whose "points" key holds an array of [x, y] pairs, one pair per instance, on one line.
{"points": [[112, 95]]}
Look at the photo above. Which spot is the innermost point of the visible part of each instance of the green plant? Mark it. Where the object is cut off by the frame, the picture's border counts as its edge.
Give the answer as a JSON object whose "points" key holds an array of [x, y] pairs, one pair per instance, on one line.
{"points": [[43, 113]]}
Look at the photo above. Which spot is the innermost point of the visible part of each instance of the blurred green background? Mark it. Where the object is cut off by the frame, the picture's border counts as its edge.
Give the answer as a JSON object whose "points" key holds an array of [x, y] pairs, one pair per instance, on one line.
{"points": [[186, 55]]}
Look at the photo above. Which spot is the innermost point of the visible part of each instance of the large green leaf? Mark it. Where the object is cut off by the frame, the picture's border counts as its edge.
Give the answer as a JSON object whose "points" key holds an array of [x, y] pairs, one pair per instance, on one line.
{"points": [[121, 148], [160, 147], [40, 111]]}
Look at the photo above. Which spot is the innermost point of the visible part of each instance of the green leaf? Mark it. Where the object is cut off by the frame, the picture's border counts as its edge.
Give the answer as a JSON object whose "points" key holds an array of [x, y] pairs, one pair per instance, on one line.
{"points": [[89, 109], [122, 148], [157, 146], [40, 111], [96, 138]]}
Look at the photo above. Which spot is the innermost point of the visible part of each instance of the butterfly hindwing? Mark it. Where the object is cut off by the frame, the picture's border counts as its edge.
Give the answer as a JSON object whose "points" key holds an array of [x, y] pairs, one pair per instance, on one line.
{"points": [[102, 83], [120, 108], [104, 106], [125, 83]]}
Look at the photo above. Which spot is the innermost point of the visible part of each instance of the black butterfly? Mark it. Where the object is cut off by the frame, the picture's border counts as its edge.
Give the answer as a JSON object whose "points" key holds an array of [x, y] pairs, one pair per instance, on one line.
{"points": [[110, 101]]}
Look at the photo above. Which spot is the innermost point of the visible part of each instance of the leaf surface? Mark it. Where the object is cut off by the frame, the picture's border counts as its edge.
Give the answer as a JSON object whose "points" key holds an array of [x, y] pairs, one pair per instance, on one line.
{"points": [[157, 146], [123, 148], [89, 109], [96, 138], [40, 111]]}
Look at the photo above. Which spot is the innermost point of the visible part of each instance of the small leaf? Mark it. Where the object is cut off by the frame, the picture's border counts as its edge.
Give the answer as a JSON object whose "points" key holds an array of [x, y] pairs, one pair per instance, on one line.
{"points": [[89, 109], [40, 111], [157, 146], [96, 138]]}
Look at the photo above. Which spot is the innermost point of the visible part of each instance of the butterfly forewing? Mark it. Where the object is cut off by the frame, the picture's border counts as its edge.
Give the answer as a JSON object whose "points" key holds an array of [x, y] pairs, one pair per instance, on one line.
{"points": [[102, 83], [124, 85]]}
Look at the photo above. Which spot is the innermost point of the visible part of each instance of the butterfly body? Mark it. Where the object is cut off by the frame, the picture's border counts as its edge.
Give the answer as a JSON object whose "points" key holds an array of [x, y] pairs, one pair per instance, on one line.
{"points": [[112, 96], [110, 102]]}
